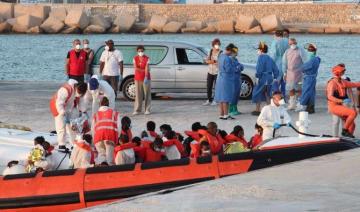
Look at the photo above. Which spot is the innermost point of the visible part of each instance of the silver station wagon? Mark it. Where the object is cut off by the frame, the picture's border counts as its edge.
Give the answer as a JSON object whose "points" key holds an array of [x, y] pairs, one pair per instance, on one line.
{"points": [[175, 67]]}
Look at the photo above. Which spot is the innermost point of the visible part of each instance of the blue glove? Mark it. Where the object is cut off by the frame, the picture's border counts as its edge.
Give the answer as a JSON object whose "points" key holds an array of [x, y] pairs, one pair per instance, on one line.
{"points": [[276, 126], [146, 81], [347, 101]]}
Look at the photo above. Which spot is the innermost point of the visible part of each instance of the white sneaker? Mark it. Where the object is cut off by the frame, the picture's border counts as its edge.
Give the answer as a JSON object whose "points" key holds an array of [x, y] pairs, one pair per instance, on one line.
{"points": [[135, 113], [206, 103], [300, 108], [147, 113], [213, 103]]}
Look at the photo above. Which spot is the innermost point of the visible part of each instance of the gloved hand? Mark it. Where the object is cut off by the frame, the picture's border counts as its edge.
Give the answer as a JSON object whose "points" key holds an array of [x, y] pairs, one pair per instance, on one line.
{"points": [[347, 101], [276, 126], [146, 81]]}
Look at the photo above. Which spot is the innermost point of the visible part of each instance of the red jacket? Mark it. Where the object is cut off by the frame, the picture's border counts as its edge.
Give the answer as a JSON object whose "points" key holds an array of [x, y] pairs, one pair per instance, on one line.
{"points": [[77, 65]]}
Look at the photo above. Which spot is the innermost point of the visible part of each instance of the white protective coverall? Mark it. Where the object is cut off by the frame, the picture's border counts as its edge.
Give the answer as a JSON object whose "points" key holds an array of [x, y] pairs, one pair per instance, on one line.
{"points": [[92, 98], [126, 156], [105, 149], [15, 169], [271, 114], [81, 156], [65, 112]]}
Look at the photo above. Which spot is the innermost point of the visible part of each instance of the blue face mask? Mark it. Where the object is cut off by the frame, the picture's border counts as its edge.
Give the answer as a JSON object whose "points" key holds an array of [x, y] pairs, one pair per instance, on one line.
{"points": [[311, 54]]}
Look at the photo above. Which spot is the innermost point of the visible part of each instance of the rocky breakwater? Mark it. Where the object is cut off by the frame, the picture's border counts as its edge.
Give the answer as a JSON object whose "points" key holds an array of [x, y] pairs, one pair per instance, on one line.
{"points": [[37, 18]]}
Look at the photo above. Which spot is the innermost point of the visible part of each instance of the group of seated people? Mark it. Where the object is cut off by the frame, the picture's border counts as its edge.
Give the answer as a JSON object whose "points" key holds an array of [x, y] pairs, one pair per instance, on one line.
{"points": [[150, 146]]}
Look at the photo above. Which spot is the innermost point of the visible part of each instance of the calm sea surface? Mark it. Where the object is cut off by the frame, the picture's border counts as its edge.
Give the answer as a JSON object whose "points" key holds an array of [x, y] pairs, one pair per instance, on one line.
{"points": [[41, 57]]}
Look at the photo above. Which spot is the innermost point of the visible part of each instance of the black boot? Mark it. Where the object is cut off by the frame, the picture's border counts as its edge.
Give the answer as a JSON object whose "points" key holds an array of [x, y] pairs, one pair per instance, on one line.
{"points": [[310, 109], [346, 133]]}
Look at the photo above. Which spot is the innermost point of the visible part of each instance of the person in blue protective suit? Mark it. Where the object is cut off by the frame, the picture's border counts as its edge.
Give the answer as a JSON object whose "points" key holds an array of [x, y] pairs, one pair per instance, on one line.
{"points": [[310, 72], [266, 72], [238, 68], [277, 50], [224, 88]]}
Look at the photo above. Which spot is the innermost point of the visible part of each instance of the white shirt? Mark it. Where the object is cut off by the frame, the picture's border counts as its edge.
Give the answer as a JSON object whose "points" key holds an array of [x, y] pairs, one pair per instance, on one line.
{"points": [[111, 60], [271, 114]]}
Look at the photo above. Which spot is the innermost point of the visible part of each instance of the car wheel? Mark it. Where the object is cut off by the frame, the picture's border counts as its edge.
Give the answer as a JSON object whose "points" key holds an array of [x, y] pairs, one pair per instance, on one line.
{"points": [[128, 89], [247, 87]]}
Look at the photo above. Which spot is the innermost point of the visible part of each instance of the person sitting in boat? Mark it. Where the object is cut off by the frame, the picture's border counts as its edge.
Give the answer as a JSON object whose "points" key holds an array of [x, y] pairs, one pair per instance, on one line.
{"points": [[126, 127], [150, 127], [237, 135], [155, 151], [174, 149], [13, 167], [81, 155], [139, 149], [106, 126], [257, 138], [205, 149], [167, 128], [193, 136], [37, 161], [273, 116], [124, 153], [214, 138]]}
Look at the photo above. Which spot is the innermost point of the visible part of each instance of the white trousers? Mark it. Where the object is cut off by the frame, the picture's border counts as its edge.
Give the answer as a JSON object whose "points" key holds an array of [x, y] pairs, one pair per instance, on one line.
{"points": [[105, 151], [62, 129]]}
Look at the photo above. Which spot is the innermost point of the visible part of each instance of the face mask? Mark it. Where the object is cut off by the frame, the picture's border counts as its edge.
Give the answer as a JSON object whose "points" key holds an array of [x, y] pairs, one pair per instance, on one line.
{"points": [[293, 46], [282, 102], [78, 47], [216, 46], [141, 54], [206, 151], [311, 54], [259, 52], [86, 45], [107, 48], [234, 55]]}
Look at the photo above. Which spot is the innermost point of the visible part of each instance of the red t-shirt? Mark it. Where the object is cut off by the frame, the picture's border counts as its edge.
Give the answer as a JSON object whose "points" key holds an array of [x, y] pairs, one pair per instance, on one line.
{"points": [[140, 64]]}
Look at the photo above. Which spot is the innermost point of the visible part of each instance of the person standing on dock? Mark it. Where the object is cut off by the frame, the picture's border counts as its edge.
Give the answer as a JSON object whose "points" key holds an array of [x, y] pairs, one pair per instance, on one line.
{"points": [[292, 61], [76, 62], [266, 73], [90, 53], [310, 71], [111, 65], [213, 70], [277, 51]]}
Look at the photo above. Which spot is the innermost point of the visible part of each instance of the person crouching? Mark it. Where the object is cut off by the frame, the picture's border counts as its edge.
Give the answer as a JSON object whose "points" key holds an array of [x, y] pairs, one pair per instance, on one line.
{"points": [[106, 126]]}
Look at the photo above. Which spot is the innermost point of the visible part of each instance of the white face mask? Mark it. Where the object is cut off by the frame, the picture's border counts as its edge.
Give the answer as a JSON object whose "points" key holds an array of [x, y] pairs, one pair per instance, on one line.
{"points": [[141, 54], [216, 46], [86, 46], [78, 47], [293, 46], [259, 52], [282, 102], [107, 48]]}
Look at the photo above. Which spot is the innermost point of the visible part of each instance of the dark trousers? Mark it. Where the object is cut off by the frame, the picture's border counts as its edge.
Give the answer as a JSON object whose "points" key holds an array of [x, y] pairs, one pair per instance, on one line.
{"points": [[211, 81], [113, 81], [77, 78]]}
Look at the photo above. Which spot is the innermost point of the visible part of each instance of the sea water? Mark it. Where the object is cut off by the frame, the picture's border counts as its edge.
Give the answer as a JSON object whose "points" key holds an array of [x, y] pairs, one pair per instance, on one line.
{"points": [[42, 57]]}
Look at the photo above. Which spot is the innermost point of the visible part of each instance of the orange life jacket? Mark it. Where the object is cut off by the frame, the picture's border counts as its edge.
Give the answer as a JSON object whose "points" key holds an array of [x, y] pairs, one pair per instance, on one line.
{"points": [[215, 142], [85, 146], [69, 90], [106, 126], [233, 138], [121, 147], [77, 65], [256, 140], [153, 134], [195, 149], [194, 135], [152, 155]]}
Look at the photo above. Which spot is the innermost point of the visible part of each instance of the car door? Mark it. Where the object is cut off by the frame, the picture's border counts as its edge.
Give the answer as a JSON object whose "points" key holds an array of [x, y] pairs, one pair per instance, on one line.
{"points": [[190, 69]]}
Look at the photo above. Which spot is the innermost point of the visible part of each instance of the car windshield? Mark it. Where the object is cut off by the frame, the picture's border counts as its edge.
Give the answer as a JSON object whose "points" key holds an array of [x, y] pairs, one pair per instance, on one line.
{"points": [[155, 53]]}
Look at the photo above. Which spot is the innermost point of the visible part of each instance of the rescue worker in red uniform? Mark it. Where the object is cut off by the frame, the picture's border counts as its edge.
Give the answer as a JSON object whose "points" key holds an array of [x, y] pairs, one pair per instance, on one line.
{"points": [[62, 105], [76, 62], [337, 99], [106, 127]]}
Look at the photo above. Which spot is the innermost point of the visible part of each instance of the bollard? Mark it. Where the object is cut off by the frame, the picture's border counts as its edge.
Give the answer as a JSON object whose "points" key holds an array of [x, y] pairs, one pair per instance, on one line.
{"points": [[303, 123]]}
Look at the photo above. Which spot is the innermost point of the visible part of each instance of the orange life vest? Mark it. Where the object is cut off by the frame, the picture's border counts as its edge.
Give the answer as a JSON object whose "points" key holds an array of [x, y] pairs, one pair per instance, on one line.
{"points": [[69, 90], [152, 155], [233, 138], [106, 126], [194, 135], [153, 134], [195, 149], [215, 142], [77, 65], [255, 140], [122, 147]]}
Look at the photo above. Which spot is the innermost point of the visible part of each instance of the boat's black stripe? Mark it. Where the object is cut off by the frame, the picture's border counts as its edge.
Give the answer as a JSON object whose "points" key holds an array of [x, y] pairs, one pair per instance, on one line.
{"points": [[36, 201], [109, 169], [118, 193], [56, 173], [19, 176], [168, 163]]}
